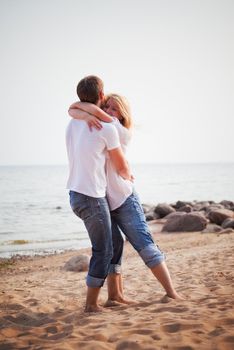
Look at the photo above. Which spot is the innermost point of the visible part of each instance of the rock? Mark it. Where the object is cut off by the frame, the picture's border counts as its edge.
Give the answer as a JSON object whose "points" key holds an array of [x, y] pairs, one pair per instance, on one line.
{"points": [[186, 222], [174, 215], [78, 263], [151, 215], [180, 204], [186, 208], [227, 230], [202, 205], [200, 213], [58, 207], [147, 208], [211, 228], [214, 207], [163, 209], [228, 223], [219, 215], [227, 204]]}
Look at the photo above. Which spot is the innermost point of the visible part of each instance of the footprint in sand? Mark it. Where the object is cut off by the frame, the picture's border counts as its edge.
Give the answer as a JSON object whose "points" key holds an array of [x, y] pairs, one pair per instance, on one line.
{"points": [[31, 302], [15, 307], [141, 331], [175, 327], [176, 309], [35, 320], [57, 332], [130, 345], [228, 321]]}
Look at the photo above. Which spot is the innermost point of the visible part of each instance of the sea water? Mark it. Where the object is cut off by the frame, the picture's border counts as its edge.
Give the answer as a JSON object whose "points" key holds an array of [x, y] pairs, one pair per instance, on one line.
{"points": [[35, 216]]}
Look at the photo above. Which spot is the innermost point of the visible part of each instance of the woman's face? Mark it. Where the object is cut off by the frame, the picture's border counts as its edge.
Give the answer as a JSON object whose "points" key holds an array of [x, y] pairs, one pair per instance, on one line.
{"points": [[112, 109]]}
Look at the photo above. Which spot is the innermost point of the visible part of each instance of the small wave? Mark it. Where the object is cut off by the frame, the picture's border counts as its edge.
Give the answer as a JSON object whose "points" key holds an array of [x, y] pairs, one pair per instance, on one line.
{"points": [[19, 241], [15, 242], [25, 241]]}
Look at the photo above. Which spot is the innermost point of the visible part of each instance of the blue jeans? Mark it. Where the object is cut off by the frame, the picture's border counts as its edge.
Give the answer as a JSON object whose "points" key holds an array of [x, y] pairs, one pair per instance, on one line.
{"points": [[131, 220], [105, 258], [118, 245]]}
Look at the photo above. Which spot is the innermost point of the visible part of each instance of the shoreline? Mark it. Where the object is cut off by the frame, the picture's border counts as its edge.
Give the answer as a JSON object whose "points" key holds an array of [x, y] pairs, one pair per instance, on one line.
{"points": [[215, 216], [37, 254]]}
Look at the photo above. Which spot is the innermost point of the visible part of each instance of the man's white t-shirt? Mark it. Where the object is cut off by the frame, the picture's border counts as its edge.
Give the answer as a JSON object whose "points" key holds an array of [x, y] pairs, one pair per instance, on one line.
{"points": [[87, 151], [118, 189]]}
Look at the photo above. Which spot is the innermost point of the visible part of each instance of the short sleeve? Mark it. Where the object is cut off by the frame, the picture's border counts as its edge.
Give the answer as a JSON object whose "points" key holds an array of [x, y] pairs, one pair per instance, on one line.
{"points": [[111, 137]]}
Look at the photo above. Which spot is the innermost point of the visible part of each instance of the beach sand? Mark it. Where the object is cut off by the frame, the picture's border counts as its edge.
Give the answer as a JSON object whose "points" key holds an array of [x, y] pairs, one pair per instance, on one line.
{"points": [[42, 305]]}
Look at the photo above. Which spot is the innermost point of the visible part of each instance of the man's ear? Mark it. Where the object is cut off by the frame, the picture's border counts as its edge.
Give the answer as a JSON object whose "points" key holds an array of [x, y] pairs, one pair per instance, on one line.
{"points": [[101, 95]]}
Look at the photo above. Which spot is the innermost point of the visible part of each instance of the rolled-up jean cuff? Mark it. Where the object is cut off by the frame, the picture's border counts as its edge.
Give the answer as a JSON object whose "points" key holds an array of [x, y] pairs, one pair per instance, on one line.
{"points": [[114, 268], [94, 282], [152, 255]]}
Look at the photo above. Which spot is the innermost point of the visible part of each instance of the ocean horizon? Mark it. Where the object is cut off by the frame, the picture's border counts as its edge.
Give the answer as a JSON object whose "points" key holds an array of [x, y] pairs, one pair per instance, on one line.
{"points": [[35, 216]]}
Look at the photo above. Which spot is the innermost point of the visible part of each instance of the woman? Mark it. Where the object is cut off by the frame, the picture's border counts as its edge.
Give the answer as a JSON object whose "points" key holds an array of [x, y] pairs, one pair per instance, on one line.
{"points": [[126, 211]]}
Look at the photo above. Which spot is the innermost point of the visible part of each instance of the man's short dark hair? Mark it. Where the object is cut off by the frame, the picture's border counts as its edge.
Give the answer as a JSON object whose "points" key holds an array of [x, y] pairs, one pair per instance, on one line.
{"points": [[89, 88]]}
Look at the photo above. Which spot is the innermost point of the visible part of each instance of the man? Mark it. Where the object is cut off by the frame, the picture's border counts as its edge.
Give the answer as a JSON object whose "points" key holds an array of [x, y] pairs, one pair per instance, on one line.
{"points": [[87, 184]]}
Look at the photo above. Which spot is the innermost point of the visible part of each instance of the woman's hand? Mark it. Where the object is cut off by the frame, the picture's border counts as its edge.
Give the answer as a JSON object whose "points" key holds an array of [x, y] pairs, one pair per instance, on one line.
{"points": [[93, 122]]}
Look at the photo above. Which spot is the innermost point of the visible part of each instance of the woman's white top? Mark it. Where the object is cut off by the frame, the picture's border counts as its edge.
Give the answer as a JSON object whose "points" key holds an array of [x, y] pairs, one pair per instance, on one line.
{"points": [[118, 189]]}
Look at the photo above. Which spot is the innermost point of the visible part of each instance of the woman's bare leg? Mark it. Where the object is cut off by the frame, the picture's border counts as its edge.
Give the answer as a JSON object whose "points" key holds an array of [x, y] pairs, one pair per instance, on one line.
{"points": [[163, 276], [115, 290]]}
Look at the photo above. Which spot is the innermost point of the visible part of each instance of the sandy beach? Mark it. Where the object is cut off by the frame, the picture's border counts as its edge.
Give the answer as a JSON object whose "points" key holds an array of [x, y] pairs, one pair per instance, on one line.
{"points": [[42, 305]]}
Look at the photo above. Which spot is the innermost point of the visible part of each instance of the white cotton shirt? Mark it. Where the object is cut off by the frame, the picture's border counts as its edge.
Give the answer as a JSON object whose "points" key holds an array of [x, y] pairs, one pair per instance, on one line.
{"points": [[87, 151], [118, 189]]}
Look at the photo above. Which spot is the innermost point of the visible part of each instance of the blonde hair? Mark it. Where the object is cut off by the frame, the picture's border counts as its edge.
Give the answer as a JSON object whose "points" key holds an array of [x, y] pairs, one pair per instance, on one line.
{"points": [[124, 109]]}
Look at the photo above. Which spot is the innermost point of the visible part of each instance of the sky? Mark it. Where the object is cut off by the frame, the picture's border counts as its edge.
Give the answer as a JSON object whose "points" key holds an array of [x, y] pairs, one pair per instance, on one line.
{"points": [[172, 59]]}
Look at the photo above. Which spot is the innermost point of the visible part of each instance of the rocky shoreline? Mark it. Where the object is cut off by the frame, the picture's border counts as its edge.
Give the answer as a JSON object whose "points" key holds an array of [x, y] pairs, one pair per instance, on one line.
{"points": [[186, 216], [181, 216]]}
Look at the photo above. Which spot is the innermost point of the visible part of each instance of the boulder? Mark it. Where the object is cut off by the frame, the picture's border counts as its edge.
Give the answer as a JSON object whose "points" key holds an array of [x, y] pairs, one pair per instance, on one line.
{"points": [[218, 216], [180, 204], [227, 230], [147, 208], [186, 222], [186, 208], [212, 228], [78, 263], [174, 215], [227, 204], [202, 205], [214, 207], [151, 215], [228, 223], [163, 209]]}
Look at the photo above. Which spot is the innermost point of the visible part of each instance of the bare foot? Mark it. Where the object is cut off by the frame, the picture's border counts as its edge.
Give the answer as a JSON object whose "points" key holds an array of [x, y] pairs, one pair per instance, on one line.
{"points": [[111, 303], [93, 308], [167, 298], [118, 301]]}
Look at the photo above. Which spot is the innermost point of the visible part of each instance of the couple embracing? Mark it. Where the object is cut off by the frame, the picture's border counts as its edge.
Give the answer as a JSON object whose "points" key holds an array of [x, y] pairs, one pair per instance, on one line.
{"points": [[101, 192]]}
